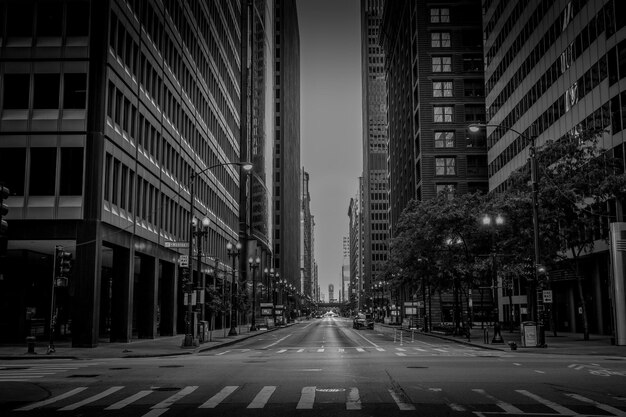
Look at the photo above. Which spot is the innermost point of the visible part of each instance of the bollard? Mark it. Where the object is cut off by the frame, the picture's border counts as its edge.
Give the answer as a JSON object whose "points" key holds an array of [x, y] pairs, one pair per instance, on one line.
{"points": [[30, 344], [401, 332], [395, 334], [412, 335]]}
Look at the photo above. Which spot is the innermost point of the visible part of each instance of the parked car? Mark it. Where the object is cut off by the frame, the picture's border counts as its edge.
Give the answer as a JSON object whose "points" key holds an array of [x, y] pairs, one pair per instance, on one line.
{"points": [[363, 321]]}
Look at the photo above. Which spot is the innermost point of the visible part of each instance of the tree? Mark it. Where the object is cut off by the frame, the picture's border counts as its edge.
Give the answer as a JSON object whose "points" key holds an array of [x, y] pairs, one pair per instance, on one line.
{"points": [[579, 182]]}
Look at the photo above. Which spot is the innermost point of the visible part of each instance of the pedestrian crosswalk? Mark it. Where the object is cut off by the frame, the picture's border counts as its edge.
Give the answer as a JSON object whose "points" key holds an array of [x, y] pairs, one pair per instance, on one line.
{"points": [[34, 371], [154, 402], [405, 350]]}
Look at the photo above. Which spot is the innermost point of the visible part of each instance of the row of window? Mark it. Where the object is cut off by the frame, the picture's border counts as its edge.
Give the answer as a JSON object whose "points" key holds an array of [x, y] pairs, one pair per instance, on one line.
{"points": [[44, 91], [445, 114], [471, 88], [616, 63], [49, 19], [42, 171]]}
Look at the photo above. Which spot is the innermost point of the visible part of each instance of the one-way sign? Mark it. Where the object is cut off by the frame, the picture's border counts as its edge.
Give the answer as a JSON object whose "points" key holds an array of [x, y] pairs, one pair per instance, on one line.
{"points": [[175, 244]]}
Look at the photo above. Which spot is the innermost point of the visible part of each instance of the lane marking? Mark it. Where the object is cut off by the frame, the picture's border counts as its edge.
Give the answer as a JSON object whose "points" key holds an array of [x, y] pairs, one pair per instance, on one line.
{"points": [[219, 397], [307, 398], [320, 350], [550, 404], [156, 412], [380, 349], [456, 407], [52, 400], [441, 350], [509, 408], [123, 403], [282, 351], [354, 401], [219, 354], [605, 407], [360, 349], [166, 403], [91, 399], [539, 372], [517, 364], [420, 349], [401, 349], [400, 354], [402, 405], [341, 350], [277, 342], [300, 350], [366, 339], [262, 397]]}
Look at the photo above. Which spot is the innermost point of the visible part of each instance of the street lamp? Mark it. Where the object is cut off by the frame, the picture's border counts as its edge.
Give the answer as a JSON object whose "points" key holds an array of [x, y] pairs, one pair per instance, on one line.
{"points": [[187, 272], [233, 252], [455, 289], [493, 223], [254, 264], [201, 230], [532, 155]]}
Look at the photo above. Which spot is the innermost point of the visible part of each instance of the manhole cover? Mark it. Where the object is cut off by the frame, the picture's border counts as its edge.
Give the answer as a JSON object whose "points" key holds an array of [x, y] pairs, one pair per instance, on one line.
{"points": [[170, 366], [83, 376]]}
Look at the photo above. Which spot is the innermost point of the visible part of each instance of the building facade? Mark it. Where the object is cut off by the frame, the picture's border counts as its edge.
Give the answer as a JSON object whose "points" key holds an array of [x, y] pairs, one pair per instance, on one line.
{"points": [[287, 142], [306, 234], [435, 88], [356, 251], [554, 68], [375, 178], [111, 112]]}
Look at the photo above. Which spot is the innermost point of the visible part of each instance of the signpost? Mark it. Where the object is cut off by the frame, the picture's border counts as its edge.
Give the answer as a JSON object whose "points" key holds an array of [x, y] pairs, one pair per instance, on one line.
{"points": [[547, 296], [183, 261]]}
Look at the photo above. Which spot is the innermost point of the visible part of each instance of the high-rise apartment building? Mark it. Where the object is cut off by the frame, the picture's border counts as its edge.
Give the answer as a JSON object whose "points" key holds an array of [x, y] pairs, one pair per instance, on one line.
{"points": [[287, 142], [555, 68], [375, 179], [435, 88], [108, 110]]}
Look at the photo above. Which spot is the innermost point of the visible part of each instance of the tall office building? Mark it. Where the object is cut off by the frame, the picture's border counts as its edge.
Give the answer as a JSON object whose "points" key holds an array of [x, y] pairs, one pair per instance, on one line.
{"points": [[306, 236], [375, 179], [356, 249], [287, 142], [345, 270], [109, 109], [555, 68], [435, 88]]}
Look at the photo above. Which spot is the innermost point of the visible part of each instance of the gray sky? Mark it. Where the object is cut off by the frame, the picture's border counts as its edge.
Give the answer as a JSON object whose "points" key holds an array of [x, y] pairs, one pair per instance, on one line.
{"points": [[330, 106]]}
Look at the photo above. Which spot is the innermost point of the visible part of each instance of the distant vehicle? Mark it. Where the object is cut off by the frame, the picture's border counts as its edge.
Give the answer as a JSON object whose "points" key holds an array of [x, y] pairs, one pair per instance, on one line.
{"points": [[363, 321]]}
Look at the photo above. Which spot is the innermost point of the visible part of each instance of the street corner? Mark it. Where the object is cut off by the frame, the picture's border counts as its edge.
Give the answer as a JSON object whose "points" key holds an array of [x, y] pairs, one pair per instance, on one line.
{"points": [[14, 394]]}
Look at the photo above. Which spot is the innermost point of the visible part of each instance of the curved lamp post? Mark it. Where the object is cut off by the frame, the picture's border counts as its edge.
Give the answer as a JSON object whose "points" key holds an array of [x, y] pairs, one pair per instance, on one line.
{"points": [[254, 265], [475, 127], [188, 273]]}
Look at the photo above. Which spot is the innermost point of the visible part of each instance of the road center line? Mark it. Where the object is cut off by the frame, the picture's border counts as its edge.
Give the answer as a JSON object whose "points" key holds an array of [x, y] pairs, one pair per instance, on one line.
{"points": [[278, 341]]}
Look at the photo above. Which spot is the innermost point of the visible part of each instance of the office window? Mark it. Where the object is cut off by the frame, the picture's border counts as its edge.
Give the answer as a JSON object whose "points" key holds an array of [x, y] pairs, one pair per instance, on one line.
{"points": [[16, 91], [12, 169], [71, 171], [43, 163], [46, 91], [442, 64], [445, 166], [440, 15], [443, 114], [442, 88], [19, 19], [440, 39], [77, 23], [444, 139], [49, 19], [75, 91]]}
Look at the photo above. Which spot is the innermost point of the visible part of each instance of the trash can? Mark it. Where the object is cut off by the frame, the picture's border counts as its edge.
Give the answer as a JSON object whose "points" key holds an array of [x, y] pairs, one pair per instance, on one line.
{"points": [[530, 334]]}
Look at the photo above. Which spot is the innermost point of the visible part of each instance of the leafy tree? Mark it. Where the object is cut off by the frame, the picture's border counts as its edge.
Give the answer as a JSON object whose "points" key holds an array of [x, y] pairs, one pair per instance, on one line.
{"points": [[578, 180]]}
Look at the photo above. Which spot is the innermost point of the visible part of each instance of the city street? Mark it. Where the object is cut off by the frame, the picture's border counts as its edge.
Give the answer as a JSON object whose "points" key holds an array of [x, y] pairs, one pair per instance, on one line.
{"points": [[321, 366]]}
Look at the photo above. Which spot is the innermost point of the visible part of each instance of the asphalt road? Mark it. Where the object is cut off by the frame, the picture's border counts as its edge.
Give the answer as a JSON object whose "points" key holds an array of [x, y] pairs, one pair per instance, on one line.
{"points": [[322, 367]]}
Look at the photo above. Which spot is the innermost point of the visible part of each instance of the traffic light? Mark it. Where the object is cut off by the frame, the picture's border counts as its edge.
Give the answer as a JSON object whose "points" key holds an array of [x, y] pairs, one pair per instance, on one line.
{"points": [[63, 267], [4, 210]]}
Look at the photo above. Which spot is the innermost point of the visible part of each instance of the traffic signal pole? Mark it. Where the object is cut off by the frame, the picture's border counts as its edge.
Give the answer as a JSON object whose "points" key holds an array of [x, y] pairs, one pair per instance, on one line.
{"points": [[51, 348]]}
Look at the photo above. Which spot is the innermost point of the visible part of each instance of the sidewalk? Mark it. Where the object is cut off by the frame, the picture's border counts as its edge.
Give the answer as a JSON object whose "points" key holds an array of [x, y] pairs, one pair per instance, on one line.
{"points": [[137, 348], [563, 343]]}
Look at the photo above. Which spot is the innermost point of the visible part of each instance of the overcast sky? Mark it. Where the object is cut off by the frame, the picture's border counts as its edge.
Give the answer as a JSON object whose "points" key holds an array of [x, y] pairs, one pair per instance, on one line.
{"points": [[330, 106]]}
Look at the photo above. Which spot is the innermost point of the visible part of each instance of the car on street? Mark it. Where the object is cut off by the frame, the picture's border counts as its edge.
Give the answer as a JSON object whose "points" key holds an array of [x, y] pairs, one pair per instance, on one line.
{"points": [[363, 321]]}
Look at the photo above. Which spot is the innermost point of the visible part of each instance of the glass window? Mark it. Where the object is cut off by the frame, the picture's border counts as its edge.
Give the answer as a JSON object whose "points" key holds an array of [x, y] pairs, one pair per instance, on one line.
{"points": [[442, 64], [74, 91], [77, 18], [442, 88], [12, 171], [440, 15], [16, 91], [46, 91], [447, 189], [440, 39], [43, 163], [49, 19], [443, 114], [20, 19], [71, 171], [445, 166], [444, 139]]}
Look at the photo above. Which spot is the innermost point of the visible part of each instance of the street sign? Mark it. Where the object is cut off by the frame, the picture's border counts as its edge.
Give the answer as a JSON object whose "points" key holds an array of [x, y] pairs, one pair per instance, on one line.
{"points": [[183, 261], [175, 244], [547, 296]]}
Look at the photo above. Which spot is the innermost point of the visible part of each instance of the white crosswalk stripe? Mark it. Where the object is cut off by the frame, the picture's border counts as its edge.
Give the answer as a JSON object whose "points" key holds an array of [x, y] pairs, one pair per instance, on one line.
{"points": [[83, 397]]}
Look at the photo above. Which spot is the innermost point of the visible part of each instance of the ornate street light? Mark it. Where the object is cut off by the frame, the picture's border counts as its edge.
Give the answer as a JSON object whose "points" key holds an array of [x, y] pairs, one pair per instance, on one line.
{"points": [[201, 230], [493, 223], [233, 252], [254, 264], [187, 272]]}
